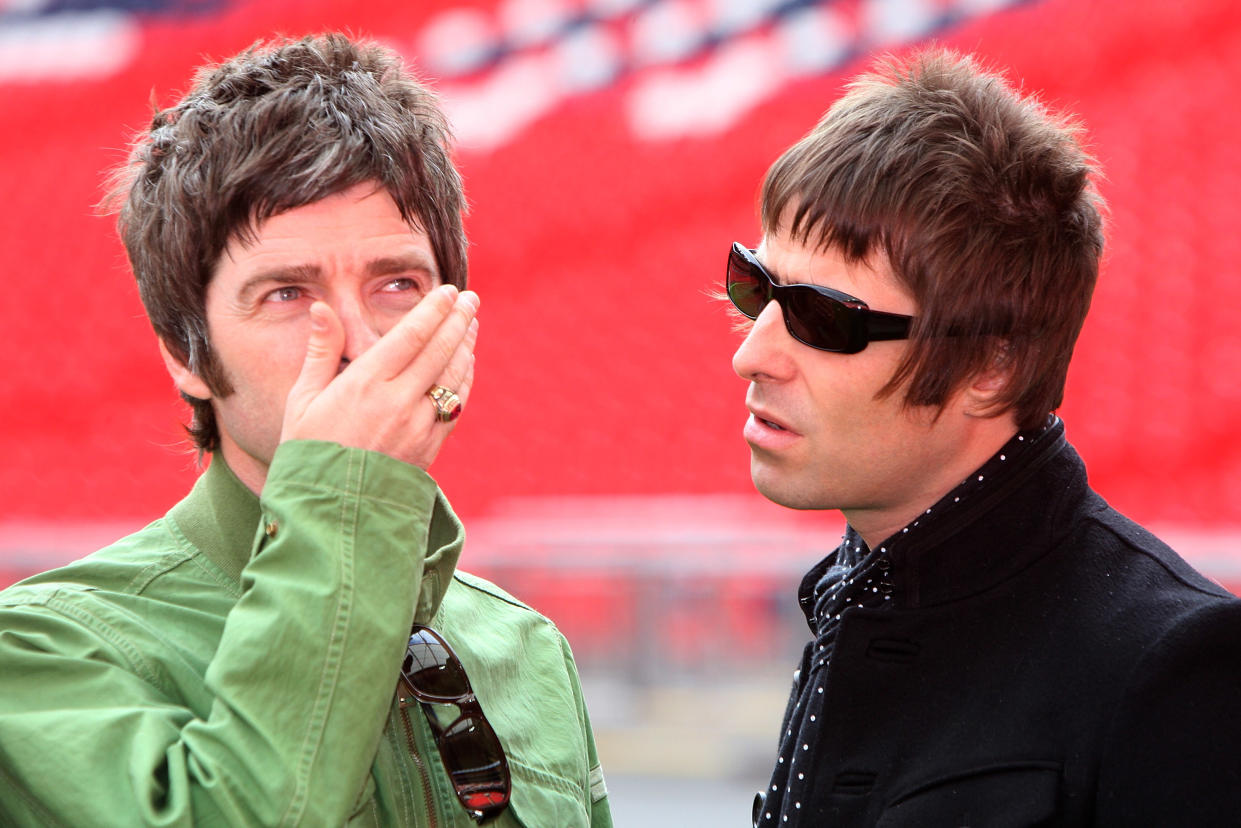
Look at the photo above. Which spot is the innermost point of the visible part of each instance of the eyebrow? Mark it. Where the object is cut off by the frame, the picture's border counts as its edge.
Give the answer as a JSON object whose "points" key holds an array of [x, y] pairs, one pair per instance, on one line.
{"points": [[310, 273], [772, 274]]}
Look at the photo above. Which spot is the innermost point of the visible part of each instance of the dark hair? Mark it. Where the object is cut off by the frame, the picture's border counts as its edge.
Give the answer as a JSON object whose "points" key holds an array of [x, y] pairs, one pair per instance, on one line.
{"points": [[982, 202], [281, 125]]}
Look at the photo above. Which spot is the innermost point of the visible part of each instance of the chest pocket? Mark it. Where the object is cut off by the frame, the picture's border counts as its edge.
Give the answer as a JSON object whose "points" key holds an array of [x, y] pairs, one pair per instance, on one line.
{"points": [[1017, 795]]}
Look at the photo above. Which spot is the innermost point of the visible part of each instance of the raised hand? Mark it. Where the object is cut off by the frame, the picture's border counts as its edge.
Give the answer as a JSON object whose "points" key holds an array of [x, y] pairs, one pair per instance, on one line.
{"points": [[379, 400]]}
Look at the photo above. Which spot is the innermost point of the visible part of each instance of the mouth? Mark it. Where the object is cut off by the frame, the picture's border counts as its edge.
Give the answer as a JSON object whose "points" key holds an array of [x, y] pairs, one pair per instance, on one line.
{"points": [[765, 419], [767, 435], [770, 423]]}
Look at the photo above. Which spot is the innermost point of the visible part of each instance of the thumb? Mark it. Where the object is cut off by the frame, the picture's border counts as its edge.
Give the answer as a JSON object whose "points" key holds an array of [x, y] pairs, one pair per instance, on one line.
{"points": [[322, 363]]}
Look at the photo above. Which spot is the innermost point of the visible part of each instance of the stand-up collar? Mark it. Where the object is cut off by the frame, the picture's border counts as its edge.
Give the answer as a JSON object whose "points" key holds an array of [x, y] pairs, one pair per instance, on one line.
{"points": [[992, 525], [222, 518]]}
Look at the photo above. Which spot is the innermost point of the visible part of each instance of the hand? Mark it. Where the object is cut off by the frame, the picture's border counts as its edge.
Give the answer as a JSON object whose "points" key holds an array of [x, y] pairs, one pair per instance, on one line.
{"points": [[379, 401]]}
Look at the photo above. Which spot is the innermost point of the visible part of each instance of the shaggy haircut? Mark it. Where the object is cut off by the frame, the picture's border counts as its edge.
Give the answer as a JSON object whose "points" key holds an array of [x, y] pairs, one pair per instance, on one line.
{"points": [[982, 202], [281, 125]]}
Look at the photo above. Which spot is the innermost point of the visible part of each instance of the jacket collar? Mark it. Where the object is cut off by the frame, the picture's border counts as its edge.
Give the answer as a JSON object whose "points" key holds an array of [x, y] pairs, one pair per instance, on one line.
{"points": [[222, 518], [1010, 513], [1005, 516]]}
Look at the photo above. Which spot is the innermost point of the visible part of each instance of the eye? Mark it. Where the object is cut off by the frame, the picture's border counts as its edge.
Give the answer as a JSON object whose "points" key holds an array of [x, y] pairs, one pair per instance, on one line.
{"points": [[288, 293], [400, 285]]}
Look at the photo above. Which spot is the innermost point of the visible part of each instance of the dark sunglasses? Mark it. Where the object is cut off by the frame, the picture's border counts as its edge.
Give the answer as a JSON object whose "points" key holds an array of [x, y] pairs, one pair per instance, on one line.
{"points": [[816, 316], [469, 747]]}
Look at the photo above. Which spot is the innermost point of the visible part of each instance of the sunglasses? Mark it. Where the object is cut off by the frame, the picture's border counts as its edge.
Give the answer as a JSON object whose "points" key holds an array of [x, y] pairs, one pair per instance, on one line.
{"points": [[816, 316], [469, 747]]}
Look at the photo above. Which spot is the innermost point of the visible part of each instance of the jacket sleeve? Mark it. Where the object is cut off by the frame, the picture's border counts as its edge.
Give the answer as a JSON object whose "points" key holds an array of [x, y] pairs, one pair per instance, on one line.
{"points": [[93, 732], [600, 810], [1172, 755]]}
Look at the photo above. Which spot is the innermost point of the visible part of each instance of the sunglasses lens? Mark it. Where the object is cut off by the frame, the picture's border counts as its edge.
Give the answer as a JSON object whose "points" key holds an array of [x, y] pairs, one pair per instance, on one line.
{"points": [[811, 316], [431, 671], [747, 286], [475, 760], [817, 320]]}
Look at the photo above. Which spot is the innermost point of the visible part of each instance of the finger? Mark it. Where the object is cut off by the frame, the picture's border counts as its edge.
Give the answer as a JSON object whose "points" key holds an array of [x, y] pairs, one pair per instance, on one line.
{"points": [[458, 375], [409, 337], [322, 361], [422, 369], [466, 381]]}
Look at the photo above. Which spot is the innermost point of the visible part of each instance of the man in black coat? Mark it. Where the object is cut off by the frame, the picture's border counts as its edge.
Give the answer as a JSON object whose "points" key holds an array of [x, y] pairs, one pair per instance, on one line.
{"points": [[992, 644]]}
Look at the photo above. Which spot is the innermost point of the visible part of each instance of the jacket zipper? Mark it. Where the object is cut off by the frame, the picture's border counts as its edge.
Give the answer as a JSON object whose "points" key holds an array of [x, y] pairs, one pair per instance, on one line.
{"points": [[432, 821]]}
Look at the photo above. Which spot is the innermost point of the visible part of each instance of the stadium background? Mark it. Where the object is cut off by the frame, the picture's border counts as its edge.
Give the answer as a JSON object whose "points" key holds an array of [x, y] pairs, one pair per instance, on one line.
{"points": [[612, 149]]}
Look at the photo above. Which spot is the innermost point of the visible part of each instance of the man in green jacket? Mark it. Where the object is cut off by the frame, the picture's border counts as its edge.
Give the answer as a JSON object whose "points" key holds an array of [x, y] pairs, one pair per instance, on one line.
{"points": [[291, 644]]}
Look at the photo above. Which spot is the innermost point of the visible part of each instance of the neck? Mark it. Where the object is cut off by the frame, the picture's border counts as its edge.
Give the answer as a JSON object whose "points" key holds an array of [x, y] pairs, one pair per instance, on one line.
{"points": [[878, 522], [249, 469]]}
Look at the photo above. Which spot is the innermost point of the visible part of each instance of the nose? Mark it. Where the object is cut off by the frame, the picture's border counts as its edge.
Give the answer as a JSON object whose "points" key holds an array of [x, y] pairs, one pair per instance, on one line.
{"points": [[765, 352], [361, 328]]}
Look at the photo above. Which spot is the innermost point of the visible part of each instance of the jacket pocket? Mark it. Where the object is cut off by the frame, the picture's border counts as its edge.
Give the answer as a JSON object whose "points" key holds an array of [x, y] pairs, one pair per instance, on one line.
{"points": [[1005, 795]]}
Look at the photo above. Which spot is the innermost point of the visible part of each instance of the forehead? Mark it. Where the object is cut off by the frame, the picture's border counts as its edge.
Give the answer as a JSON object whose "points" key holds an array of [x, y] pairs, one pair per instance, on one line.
{"points": [[359, 221], [791, 261]]}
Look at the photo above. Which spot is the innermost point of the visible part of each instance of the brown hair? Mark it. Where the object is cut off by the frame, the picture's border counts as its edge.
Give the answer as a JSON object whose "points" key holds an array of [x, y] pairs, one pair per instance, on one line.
{"points": [[281, 125], [982, 202]]}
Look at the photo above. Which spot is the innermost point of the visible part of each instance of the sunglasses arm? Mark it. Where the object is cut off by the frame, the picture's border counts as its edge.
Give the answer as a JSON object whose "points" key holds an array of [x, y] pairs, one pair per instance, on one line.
{"points": [[881, 325]]}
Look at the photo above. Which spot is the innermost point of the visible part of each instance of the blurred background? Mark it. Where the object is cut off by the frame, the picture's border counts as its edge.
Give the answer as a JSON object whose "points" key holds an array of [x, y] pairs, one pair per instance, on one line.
{"points": [[612, 150]]}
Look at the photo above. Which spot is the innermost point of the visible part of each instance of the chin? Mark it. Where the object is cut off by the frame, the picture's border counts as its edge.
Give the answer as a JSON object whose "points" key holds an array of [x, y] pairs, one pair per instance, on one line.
{"points": [[785, 491]]}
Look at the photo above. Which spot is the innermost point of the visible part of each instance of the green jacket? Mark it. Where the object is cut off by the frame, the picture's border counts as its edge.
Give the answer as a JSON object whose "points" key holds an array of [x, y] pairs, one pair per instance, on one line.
{"points": [[235, 663]]}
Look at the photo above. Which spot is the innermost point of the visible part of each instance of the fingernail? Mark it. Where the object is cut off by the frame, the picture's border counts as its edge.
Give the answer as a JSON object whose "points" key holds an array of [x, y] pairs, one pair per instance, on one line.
{"points": [[449, 290], [470, 298]]}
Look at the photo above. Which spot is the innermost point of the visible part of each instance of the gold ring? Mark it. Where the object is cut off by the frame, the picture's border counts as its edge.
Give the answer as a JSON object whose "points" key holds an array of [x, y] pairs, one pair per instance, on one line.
{"points": [[447, 404]]}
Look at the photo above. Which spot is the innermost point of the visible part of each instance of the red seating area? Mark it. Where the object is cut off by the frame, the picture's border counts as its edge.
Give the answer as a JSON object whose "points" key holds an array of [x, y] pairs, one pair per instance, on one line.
{"points": [[603, 368]]}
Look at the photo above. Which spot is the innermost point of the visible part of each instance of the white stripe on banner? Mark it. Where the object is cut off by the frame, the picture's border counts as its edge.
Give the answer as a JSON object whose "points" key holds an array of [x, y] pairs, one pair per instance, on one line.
{"points": [[68, 46]]}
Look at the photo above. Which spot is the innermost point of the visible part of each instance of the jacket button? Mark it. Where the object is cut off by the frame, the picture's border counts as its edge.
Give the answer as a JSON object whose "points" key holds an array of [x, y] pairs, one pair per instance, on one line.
{"points": [[270, 528]]}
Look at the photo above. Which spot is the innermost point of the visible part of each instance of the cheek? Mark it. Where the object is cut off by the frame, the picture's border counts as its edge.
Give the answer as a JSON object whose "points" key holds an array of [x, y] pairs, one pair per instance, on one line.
{"points": [[263, 362]]}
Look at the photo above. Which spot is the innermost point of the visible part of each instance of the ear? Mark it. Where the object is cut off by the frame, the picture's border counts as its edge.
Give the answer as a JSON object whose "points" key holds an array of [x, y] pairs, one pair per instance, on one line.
{"points": [[982, 394], [187, 381]]}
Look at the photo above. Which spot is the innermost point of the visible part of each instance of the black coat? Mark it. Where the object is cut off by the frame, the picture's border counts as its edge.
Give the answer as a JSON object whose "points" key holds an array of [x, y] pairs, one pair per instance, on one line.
{"points": [[1043, 661]]}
